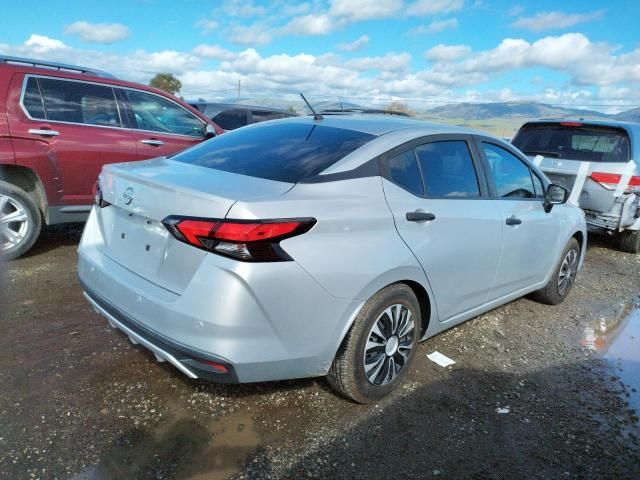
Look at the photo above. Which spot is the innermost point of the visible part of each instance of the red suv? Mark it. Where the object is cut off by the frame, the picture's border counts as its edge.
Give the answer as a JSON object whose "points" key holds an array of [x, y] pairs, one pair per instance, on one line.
{"points": [[59, 124]]}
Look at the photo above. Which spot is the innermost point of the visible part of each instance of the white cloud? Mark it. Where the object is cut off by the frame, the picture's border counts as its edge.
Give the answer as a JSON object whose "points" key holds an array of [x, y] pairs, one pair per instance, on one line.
{"points": [[432, 7], [312, 24], [594, 71], [356, 10], [434, 27], [98, 32], [207, 25], [556, 20], [391, 62], [42, 44], [214, 51], [255, 35], [243, 8], [354, 46], [447, 53]]}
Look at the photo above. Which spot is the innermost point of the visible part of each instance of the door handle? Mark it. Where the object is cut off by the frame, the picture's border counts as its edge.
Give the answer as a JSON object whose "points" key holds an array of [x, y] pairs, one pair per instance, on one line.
{"points": [[420, 216], [513, 220], [45, 132], [152, 141]]}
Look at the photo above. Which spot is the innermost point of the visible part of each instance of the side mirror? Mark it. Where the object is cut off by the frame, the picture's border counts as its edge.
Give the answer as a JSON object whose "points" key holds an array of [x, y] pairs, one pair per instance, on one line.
{"points": [[209, 131], [555, 195]]}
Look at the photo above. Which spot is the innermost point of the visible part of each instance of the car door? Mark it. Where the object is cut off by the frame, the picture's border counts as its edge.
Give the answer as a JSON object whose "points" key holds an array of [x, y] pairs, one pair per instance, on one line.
{"points": [[439, 200], [162, 126], [529, 233], [79, 128]]}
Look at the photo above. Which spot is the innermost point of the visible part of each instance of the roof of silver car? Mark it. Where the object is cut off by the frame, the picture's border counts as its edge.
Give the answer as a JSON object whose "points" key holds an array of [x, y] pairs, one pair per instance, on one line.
{"points": [[380, 124]]}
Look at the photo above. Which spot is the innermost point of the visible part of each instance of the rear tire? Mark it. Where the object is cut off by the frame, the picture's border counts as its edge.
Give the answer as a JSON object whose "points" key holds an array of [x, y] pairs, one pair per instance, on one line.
{"points": [[563, 276], [629, 241], [379, 349], [20, 221]]}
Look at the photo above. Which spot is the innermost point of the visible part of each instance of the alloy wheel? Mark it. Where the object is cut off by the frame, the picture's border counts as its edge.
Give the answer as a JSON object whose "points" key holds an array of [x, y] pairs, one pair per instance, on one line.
{"points": [[568, 271], [14, 222], [389, 344]]}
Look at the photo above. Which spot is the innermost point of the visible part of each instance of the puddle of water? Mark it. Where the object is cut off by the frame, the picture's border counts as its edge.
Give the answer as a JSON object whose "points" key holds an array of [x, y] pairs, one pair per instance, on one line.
{"points": [[618, 341], [183, 448]]}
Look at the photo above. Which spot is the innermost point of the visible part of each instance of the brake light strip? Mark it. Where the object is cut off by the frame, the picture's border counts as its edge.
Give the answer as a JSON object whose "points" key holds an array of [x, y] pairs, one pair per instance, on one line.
{"points": [[624, 179]]}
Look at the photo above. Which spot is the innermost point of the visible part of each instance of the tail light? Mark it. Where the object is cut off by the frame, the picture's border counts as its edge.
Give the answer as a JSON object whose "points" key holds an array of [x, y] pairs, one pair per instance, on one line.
{"points": [[610, 180], [97, 196], [246, 240]]}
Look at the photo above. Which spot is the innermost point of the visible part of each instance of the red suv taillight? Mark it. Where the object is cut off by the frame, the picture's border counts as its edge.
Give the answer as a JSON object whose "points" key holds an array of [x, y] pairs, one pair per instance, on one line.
{"points": [[610, 180], [246, 240]]}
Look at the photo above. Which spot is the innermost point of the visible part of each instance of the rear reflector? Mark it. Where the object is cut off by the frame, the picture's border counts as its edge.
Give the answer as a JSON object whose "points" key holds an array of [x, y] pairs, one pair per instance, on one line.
{"points": [[218, 367], [250, 241], [611, 180]]}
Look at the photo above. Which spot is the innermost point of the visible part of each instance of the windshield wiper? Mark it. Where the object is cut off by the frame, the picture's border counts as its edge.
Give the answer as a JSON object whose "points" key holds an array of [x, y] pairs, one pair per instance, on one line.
{"points": [[543, 153]]}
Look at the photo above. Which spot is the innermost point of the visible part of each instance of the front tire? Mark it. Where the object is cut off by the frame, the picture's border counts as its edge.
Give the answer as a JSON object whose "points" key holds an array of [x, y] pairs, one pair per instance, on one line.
{"points": [[20, 221], [563, 276], [629, 241], [378, 351]]}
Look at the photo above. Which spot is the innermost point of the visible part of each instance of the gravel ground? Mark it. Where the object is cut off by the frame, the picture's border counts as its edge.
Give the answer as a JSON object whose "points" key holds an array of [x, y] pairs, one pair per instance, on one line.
{"points": [[78, 401]]}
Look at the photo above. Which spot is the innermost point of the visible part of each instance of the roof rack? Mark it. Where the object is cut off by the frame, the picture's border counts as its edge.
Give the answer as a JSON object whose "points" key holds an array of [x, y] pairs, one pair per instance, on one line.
{"points": [[54, 65]]}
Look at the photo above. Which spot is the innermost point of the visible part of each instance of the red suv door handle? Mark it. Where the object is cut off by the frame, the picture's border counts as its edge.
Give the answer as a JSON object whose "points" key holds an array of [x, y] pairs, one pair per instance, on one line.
{"points": [[45, 132], [152, 141]]}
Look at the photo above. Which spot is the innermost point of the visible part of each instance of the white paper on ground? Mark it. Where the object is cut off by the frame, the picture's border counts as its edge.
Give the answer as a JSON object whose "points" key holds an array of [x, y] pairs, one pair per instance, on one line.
{"points": [[503, 410], [440, 359]]}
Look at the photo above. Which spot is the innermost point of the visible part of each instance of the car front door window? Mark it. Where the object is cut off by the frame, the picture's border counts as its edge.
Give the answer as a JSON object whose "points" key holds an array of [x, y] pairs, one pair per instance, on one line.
{"points": [[156, 114], [512, 177]]}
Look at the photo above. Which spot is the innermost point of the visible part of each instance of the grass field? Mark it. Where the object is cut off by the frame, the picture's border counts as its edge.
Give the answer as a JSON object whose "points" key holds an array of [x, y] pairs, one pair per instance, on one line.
{"points": [[501, 127]]}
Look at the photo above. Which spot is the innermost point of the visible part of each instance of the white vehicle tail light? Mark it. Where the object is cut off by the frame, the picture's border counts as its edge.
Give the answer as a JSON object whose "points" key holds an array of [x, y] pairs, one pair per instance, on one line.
{"points": [[610, 181]]}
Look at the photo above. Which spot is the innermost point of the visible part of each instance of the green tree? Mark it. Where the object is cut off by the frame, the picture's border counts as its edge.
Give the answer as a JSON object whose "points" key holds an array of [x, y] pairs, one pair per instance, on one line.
{"points": [[167, 82]]}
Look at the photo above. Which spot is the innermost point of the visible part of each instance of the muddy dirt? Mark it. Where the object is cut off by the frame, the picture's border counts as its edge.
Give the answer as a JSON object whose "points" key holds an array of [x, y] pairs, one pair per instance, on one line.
{"points": [[531, 395]]}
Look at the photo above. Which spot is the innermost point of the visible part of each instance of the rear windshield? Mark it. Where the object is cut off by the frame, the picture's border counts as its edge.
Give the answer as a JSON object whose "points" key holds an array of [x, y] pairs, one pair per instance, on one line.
{"points": [[586, 143], [285, 152]]}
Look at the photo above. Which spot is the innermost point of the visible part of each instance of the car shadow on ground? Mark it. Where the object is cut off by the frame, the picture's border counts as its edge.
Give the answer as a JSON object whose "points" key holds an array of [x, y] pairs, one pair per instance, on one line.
{"points": [[470, 423], [56, 236]]}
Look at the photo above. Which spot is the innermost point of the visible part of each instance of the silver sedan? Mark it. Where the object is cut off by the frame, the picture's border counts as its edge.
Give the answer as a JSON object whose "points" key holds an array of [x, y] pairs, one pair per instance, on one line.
{"points": [[323, 246]]}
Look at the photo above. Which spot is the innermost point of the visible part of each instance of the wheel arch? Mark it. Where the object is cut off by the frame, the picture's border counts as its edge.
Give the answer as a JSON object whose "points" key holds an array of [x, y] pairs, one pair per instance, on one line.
{"points": [[27, 180]]}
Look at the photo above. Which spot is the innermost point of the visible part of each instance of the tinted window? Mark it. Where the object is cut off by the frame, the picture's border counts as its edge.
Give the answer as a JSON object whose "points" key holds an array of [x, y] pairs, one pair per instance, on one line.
{"points": [[284, 152], [511, 175], [403, 170], [448, 169], [263, 115], [586, 143], [231, 119], [157, 114], [32, 100], [79, 102]]}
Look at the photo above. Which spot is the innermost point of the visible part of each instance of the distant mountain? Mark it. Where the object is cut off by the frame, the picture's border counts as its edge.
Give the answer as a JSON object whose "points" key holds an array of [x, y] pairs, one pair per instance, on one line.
{"points": [[481, 111], [628, 116]]}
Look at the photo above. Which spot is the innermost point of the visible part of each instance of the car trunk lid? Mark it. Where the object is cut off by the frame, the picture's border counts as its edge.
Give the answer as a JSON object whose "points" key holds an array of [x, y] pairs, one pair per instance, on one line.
{"points": [[142, 194]]}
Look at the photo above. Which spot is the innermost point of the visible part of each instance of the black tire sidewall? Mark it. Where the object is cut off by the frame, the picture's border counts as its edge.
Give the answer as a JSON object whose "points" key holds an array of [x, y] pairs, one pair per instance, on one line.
{"points": [[35, 220], [396, 294], [554, 289]]}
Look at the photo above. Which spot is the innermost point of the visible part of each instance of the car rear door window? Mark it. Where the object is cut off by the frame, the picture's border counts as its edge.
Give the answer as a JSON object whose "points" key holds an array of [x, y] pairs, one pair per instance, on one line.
{"points": [[403, 170], [79, 102], [231, 119], [571, 141], [285, 152], [32, 100], [511, 175], [448, 169], [157, 114]]}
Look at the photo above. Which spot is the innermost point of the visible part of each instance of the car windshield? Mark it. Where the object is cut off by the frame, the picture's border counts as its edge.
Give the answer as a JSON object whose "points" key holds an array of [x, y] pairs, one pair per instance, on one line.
{"points": [[574, 142], [285, 152]]}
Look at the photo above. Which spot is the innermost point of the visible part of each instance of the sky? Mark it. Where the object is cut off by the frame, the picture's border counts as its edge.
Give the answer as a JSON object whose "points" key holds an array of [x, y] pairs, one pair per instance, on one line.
{"points": [[424, 52]]}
